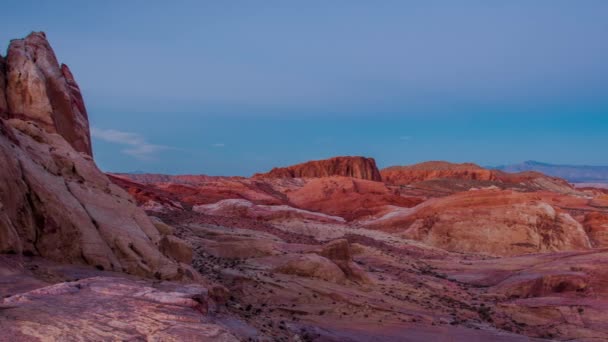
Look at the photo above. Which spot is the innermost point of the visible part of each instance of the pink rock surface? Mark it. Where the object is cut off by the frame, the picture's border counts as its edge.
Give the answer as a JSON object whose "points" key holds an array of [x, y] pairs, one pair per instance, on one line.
{"points": [[110, 308], [493, 222], [346, 197]]}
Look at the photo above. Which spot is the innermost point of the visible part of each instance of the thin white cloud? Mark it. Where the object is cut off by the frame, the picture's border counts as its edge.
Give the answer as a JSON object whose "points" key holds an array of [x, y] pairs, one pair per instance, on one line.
{"points": [[136, 145], [219, 145], [405, 137]]}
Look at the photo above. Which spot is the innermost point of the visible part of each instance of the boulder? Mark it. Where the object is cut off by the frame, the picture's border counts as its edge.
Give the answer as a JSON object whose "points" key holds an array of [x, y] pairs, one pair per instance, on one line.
{"points": [[339, 252], [163, 228], [312, 266], [176, 248]]}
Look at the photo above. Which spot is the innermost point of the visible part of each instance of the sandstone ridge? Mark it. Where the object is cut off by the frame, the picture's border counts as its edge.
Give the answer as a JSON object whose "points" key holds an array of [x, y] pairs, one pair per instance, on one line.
{"points": [[356, 167]]}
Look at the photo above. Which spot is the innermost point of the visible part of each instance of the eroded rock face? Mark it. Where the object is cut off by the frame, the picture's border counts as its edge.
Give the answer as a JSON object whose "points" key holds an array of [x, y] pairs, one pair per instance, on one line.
{"points": [[347, 197], [62, 207], [596, 225], [313, 266], [244, 208], [339, 252], [401, 175], [107, 308], [40, 90], [451, 177], [54, 201], [356, 167], [488, 221]]}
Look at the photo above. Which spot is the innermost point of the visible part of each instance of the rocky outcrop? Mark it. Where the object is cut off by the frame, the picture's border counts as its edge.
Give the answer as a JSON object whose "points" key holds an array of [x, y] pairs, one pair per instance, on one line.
{"points": [[40, 90], [243, 208], [312, 266], [348, 198], [111, 309], [54, 201], [172, 192], [488, 221], [596, 225], [401, 175], [448, 177], [356, 167], [57, 204], [339, 252]]}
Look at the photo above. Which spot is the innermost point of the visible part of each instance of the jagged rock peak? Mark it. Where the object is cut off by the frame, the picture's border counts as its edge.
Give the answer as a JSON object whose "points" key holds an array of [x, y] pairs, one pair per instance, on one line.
{"points": [[356, 167], [36, 88], [54, 201]]}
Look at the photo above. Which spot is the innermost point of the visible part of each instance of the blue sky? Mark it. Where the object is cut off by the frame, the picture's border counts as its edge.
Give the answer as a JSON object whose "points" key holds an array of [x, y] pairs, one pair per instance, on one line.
{"points": [[238, 87]]}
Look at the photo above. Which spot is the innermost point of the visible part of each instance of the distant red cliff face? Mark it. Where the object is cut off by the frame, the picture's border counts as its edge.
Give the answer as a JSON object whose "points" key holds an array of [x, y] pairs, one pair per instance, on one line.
{"points": [[401, 175], [474, 175], [356, 167]]}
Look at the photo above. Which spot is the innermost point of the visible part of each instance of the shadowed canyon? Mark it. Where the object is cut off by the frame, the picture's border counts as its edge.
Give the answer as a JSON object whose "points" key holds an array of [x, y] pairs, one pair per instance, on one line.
{"points": [[326, 250]]}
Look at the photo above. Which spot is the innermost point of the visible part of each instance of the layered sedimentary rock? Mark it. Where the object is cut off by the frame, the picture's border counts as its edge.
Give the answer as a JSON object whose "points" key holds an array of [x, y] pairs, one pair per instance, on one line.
{"points": [[356, 167], [40, 90], [244, 208], [156, 190], [488, 221], [596, 225], [450, 177], [347, 197], [399, 175], [54, 201], [45, 301]]}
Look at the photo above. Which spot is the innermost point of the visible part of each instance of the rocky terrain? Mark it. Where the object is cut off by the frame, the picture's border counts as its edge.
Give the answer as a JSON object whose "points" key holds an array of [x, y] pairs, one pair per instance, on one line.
{"points": [[486, 235], [329, 250]]}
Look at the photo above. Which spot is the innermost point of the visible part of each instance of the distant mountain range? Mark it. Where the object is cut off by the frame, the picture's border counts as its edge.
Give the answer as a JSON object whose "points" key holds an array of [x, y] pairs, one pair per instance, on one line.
{"points": [[572, 173]]}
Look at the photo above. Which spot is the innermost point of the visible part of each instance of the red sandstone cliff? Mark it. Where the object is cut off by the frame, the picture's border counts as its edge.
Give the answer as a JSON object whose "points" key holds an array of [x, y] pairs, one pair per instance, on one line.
{"points": [[356, 167], [400, 175]]}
